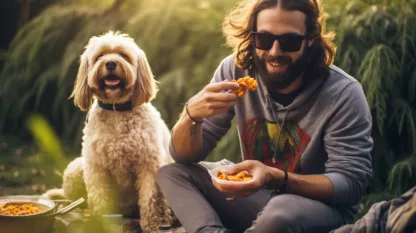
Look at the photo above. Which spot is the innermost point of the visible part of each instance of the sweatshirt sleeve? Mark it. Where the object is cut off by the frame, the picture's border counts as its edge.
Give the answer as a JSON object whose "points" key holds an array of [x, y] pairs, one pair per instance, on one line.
{"points": [[215, 127], [348, 143]]}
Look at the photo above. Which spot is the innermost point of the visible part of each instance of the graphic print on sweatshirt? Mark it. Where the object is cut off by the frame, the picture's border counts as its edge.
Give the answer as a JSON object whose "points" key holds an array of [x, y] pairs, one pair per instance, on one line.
{"points": [[259, 139]]}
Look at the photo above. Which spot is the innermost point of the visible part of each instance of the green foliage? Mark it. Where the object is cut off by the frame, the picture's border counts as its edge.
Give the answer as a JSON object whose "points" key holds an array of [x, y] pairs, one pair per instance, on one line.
{"points": [[47, 141], [91, 3], [182, 40], [30, 78], [24, 169], [376, 44]]}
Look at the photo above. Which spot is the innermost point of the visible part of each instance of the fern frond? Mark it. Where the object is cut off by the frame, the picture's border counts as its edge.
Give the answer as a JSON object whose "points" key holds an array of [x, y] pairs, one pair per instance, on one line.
{"points": [[401, 170], [378, 72]]}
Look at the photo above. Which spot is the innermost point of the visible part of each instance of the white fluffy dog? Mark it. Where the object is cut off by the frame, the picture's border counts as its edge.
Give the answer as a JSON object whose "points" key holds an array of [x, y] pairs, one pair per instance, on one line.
{"points": [[125, 140]]}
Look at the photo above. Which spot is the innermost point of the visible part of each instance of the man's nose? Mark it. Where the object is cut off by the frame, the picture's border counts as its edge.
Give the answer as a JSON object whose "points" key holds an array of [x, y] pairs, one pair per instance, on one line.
{"points": [[275, 49]]}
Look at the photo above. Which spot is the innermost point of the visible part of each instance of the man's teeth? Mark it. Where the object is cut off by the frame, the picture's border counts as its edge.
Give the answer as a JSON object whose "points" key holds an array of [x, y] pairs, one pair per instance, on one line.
{"points": [[276, 64]]}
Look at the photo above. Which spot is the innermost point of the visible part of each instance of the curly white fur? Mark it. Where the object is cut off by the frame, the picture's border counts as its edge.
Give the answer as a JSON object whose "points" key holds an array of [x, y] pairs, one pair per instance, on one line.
{"points": [[126, 149], [121, 151]]}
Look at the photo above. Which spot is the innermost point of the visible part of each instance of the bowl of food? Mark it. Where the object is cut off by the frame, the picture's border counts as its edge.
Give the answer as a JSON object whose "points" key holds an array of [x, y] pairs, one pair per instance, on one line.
{"points": [[220, 176], [34, 214]]}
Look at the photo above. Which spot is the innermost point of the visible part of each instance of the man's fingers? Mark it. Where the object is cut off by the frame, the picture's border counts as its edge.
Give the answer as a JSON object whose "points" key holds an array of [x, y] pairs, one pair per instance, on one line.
{"points": [[225, 97], [223, 188], [240, 189], [216, 185], [222, 86], [220, 107], [243, 166]]}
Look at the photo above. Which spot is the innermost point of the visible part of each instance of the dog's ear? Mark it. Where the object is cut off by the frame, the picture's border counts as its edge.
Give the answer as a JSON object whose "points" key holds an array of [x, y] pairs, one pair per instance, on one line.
{"points": [[145, 86], [81, 93]]}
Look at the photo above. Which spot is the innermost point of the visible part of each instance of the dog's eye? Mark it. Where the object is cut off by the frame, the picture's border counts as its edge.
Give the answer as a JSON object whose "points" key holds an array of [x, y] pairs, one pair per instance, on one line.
{"points": [[99, 57], [123, 55]]}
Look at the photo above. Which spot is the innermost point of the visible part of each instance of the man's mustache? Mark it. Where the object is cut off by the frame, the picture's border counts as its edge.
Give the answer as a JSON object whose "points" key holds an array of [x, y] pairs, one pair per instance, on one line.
{"points": [[278, 59]]}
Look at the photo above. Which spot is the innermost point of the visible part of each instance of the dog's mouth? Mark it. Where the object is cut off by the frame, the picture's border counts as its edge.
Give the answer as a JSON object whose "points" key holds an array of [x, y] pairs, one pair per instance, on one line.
{"points": [[112, 82]]}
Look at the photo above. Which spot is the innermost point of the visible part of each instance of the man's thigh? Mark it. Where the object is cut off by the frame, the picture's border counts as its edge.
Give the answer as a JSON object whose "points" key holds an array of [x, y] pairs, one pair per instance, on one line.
{"points": [[292, 213]]}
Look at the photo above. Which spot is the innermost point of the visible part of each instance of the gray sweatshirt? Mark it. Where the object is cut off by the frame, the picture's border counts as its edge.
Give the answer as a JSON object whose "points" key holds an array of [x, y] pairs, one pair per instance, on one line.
{"points": [[326, 130]]}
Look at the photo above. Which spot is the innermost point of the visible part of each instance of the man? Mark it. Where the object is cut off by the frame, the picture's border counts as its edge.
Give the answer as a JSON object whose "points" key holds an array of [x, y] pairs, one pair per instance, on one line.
{"points": [[305, 133]]}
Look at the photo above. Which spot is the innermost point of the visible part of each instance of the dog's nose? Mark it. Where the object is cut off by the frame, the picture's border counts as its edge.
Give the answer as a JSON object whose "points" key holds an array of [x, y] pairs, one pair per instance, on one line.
{"points": [[110, 65]]}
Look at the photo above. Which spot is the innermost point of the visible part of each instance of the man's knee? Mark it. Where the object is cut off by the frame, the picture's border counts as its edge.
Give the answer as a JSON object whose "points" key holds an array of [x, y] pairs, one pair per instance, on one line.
{"points": [[166, 172], [280, 216]]}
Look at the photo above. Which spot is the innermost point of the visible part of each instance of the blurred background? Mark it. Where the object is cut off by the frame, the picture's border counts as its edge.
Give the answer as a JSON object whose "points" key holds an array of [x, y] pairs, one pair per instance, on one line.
{"points": [[41, 41]]}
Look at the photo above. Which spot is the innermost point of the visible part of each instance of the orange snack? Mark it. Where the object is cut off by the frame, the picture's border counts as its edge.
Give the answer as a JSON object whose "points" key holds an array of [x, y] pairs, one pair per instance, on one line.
{"points": [[246, 83], [19, 209], [241, 176]]}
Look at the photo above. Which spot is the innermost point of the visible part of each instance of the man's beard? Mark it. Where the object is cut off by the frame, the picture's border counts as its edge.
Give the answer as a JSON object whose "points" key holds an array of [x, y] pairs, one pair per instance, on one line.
{"points": [[280, 80]]}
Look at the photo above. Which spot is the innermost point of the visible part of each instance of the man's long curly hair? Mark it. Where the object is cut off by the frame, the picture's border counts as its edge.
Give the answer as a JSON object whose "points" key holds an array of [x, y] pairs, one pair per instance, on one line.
{"points": [[243, 19]]}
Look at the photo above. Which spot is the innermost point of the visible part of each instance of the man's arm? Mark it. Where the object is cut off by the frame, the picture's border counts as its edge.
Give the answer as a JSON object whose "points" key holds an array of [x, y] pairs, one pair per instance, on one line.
{"points": [[191, 142], [317, 187], [186, 137], [348, 142]]}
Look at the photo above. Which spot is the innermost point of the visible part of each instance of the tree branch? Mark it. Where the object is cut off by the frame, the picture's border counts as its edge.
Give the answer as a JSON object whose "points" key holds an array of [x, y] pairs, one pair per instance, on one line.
{"points": [[24, 12], [116, 5]]}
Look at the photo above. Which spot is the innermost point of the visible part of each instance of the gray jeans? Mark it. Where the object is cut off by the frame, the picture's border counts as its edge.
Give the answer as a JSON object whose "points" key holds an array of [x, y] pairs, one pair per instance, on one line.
{"points": [[200, 207]]}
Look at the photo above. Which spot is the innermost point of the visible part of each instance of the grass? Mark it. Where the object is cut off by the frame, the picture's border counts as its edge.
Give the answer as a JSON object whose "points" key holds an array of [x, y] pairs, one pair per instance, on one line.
{"points": [[24, 170]]}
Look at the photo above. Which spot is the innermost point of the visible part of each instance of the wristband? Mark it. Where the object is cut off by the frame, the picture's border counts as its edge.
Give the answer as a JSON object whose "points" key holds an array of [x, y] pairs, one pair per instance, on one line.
{"points": [[186, 108], [282, 189]]}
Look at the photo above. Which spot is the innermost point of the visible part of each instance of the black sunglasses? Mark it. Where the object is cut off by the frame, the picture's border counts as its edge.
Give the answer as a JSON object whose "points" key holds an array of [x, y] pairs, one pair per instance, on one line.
{"points": [[289, 42]]}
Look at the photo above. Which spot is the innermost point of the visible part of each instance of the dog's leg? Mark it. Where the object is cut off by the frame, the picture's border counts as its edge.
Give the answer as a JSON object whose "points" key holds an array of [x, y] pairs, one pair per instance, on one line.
{"points": [[73, 181], [100, 194], [153, 207], [127, 193]]}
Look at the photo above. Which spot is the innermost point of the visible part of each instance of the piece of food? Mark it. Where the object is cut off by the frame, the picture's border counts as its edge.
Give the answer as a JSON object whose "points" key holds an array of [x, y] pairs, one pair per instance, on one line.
{"points": [[246, 83], [241, 176], [19, 209]]}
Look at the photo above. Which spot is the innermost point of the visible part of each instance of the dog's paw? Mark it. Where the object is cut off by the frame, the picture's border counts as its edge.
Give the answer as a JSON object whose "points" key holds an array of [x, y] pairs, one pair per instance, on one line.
{"points": [[149, 226], [100, 204], [130, 211], [98, 209], [132, 226]]}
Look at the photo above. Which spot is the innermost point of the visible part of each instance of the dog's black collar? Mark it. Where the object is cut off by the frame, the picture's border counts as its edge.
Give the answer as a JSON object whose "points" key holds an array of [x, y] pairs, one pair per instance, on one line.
{"points": [[123, 107]]}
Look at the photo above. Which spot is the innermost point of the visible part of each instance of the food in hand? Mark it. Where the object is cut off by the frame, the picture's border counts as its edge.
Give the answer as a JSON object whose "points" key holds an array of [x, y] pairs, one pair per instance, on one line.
{"points": [[241, 176], [246, 83], [19, 209]]}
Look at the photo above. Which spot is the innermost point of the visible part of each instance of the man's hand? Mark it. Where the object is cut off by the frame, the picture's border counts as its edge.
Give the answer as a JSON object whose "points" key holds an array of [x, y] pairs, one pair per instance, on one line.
{"points": [[256, 169], [212, 100], [317, 187]]}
